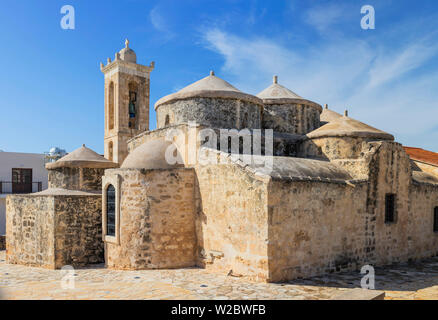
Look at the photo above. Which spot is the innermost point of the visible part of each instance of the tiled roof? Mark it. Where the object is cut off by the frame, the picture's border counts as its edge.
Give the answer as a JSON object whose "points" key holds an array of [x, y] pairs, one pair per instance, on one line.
{"points": [[422, 155]]}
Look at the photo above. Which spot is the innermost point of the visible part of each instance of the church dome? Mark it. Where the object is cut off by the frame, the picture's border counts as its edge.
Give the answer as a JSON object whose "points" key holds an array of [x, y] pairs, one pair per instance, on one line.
{"points": [[82, 157], [348, 127], [127, 54], [278, 94], [208, 87], [152, 155], [328, 115]]}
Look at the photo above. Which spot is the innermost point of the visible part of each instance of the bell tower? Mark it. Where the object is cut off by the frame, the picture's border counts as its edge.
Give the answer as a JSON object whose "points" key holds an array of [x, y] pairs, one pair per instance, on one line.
{"points": [[126, 101]]}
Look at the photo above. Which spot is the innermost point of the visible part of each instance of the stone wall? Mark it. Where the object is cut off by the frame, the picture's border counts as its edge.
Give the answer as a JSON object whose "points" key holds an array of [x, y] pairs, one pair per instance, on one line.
{"points": [[211, 112], [157, 220], [85, 179], [78, 230], [232, 220], [30, 222], [332, 148], [159, 133], [51, 231], [390, 173], [315, 228], [291, 118], [422, 241]]}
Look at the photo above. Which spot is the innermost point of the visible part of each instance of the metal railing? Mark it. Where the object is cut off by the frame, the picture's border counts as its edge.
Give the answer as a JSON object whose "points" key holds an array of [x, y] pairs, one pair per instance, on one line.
{"points": [[7, 187]]}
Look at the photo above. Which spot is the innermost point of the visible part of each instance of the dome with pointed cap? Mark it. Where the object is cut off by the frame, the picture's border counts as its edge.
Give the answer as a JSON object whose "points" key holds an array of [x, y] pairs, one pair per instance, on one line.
{"points": [[328, 115], [277, 94], [208, 87], [348, 127], [127, 54], [82, 157], [152, 155]]}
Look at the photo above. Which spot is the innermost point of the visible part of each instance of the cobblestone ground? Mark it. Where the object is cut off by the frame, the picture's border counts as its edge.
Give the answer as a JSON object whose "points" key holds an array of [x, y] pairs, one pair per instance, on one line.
{"points": [[416, 281]]}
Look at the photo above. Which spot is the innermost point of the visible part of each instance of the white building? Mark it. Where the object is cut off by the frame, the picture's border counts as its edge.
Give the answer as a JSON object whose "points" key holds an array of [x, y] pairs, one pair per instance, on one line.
{"points": [[20, 173]]}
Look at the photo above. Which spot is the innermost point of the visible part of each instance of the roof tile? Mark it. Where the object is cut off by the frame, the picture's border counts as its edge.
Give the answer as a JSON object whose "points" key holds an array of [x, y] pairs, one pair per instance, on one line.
{"points": [[422, 155]]}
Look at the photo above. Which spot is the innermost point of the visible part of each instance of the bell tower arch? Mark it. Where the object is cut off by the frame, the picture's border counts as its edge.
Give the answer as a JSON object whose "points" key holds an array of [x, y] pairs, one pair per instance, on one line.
{"points": [[127, 88]]}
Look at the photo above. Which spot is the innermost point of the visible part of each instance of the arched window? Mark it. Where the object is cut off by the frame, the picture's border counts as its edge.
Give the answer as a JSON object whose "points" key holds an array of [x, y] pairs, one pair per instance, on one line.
{"points": [[167, 121], [110, 151], [111, 211], [111, 106]]}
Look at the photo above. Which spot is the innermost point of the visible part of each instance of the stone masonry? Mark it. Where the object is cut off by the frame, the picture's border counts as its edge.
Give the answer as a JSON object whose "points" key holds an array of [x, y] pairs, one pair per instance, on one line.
{"points": [[157, 220], [48, 231]]}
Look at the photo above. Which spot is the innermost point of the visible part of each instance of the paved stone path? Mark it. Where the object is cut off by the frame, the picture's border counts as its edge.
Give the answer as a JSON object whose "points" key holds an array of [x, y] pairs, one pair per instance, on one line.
{"points": [[419, 281]]}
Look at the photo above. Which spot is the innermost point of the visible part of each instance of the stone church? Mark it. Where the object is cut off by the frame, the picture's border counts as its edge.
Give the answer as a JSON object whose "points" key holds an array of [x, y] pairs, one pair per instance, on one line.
{"points": [[322, 192]]}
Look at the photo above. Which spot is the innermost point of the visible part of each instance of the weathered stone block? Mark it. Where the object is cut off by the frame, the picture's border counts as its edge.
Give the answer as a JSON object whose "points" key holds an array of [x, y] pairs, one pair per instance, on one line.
{"points": [[54, 230]]}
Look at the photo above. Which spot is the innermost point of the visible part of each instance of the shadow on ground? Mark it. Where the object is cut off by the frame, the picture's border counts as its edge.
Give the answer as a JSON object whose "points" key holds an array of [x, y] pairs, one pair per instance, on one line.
{"points": [[410, 276]]}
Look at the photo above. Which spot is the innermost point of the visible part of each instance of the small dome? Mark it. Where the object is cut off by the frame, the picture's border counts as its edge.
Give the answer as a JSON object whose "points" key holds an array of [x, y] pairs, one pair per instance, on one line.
{"points": [[348, 127], [127, 54], [209, 87], [328, 115], [82, 158], [277, 94], [152, 155]]}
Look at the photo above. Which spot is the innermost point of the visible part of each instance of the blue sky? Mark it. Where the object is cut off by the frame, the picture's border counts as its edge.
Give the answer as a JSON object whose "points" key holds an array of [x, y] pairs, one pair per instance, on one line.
{"points": [[51, 87]]}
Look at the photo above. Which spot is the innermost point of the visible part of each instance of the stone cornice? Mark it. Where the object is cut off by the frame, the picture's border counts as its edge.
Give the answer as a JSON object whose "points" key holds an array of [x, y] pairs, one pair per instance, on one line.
{"points": [[128, 68]]}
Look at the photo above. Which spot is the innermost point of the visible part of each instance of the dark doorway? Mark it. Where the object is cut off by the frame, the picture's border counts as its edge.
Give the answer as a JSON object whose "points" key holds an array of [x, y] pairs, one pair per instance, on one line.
{"points": [[435, 219], [21, 180], [390, 208]]}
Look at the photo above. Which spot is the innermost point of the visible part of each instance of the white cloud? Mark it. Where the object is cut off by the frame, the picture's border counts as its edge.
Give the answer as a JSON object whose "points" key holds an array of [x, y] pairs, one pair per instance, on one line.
{"points": [[376, 81], [322, 17], [241, 54], [160, 23], [390, 66]]}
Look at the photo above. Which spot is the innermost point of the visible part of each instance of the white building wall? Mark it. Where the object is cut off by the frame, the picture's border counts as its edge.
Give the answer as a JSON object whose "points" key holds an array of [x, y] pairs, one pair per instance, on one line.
{"points": [[9, 160], [2, 216]]}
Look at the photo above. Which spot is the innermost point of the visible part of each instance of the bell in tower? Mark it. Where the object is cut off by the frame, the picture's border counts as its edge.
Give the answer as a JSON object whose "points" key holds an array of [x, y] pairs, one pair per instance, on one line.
{"points": [[126, 101], [132, 110]]}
